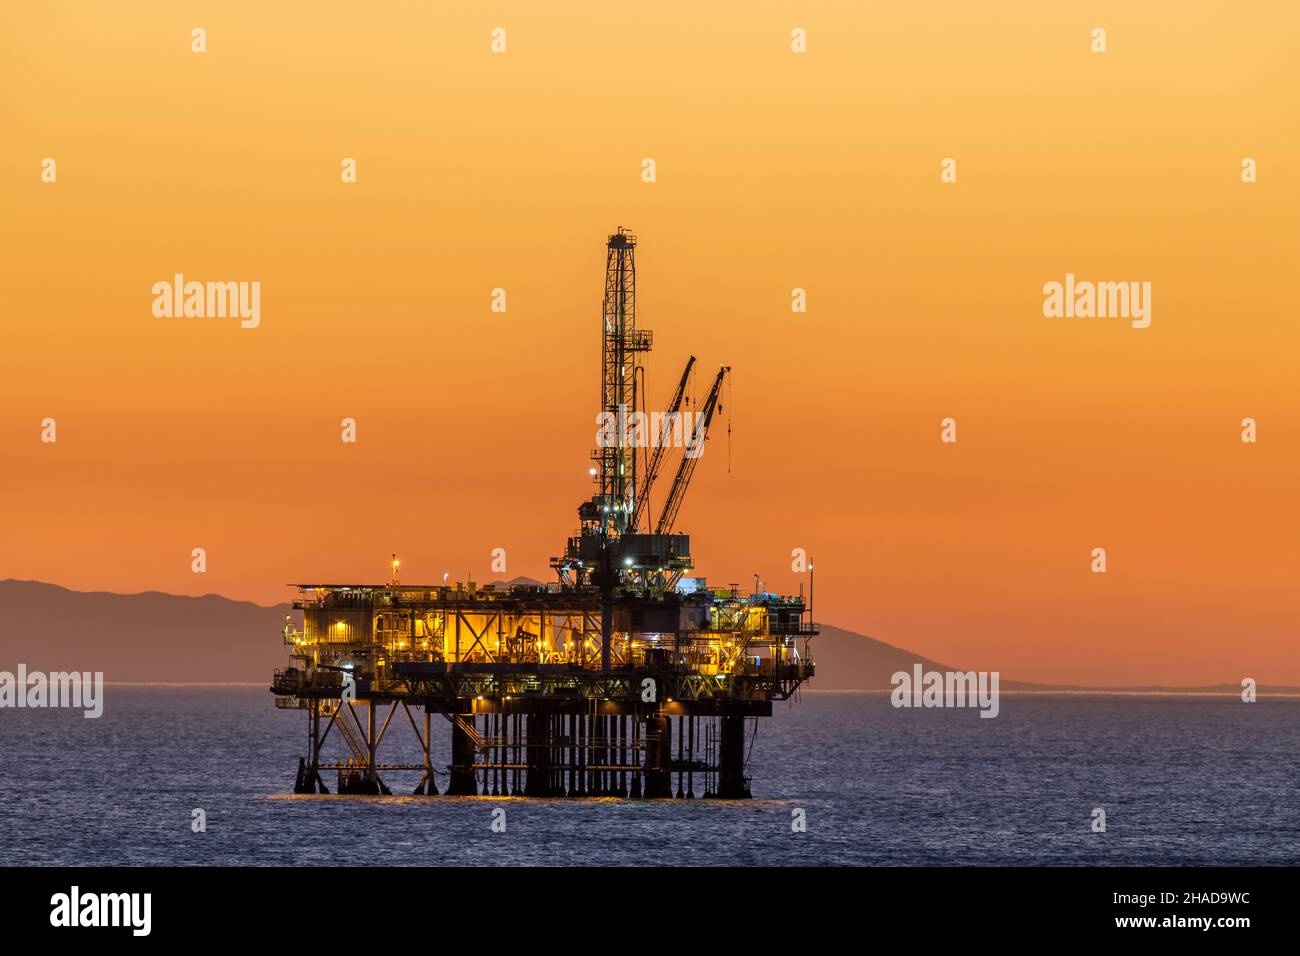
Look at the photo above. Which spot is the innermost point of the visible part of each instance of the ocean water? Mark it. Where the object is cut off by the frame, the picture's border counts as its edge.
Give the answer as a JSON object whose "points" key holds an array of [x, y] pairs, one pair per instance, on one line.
{"points": [[1183, 780]]}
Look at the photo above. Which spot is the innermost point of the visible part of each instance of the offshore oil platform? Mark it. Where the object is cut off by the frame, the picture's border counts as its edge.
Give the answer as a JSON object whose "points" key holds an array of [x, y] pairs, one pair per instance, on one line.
{"points": [[571, 688]]}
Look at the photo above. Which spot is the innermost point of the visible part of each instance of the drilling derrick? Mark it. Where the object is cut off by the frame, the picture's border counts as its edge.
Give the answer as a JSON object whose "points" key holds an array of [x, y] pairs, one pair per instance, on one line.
{"points": [[570, 688], [621, 343]]}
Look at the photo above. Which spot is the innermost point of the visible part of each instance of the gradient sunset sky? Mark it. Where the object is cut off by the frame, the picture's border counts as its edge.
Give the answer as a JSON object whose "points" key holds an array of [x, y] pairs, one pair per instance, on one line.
{"points": [[775, 170]]}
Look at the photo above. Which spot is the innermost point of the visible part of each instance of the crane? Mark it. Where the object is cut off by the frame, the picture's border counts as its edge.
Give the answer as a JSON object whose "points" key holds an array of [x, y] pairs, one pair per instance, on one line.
{"points": [[656, 460], [687, 467]]}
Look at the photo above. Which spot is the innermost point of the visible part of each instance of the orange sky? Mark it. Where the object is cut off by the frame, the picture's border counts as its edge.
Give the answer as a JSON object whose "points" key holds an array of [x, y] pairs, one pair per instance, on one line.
{"points": [[775, 170]]}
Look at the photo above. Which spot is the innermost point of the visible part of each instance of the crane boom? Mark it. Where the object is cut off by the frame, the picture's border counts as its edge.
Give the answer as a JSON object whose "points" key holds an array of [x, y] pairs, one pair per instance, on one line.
{"points": [[687, 467], [656, 460]]}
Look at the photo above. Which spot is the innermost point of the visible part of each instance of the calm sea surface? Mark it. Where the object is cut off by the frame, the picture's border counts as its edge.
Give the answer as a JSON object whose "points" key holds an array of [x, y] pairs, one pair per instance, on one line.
{"points": [[1182, 781]]}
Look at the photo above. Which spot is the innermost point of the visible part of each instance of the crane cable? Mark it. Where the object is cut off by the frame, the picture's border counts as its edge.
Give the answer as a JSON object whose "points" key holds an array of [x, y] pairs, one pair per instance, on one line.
{"points": [[728, 424]]}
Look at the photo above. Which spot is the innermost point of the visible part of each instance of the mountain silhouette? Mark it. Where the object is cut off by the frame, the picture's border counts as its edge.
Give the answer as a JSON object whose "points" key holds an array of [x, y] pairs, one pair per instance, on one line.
{"points": [[149, 636]]}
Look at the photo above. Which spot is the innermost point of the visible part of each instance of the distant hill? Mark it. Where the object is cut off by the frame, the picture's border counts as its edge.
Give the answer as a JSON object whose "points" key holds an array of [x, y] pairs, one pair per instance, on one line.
{"points": [[139, 637], [153, 636], [501, 585], [847, 660]]}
